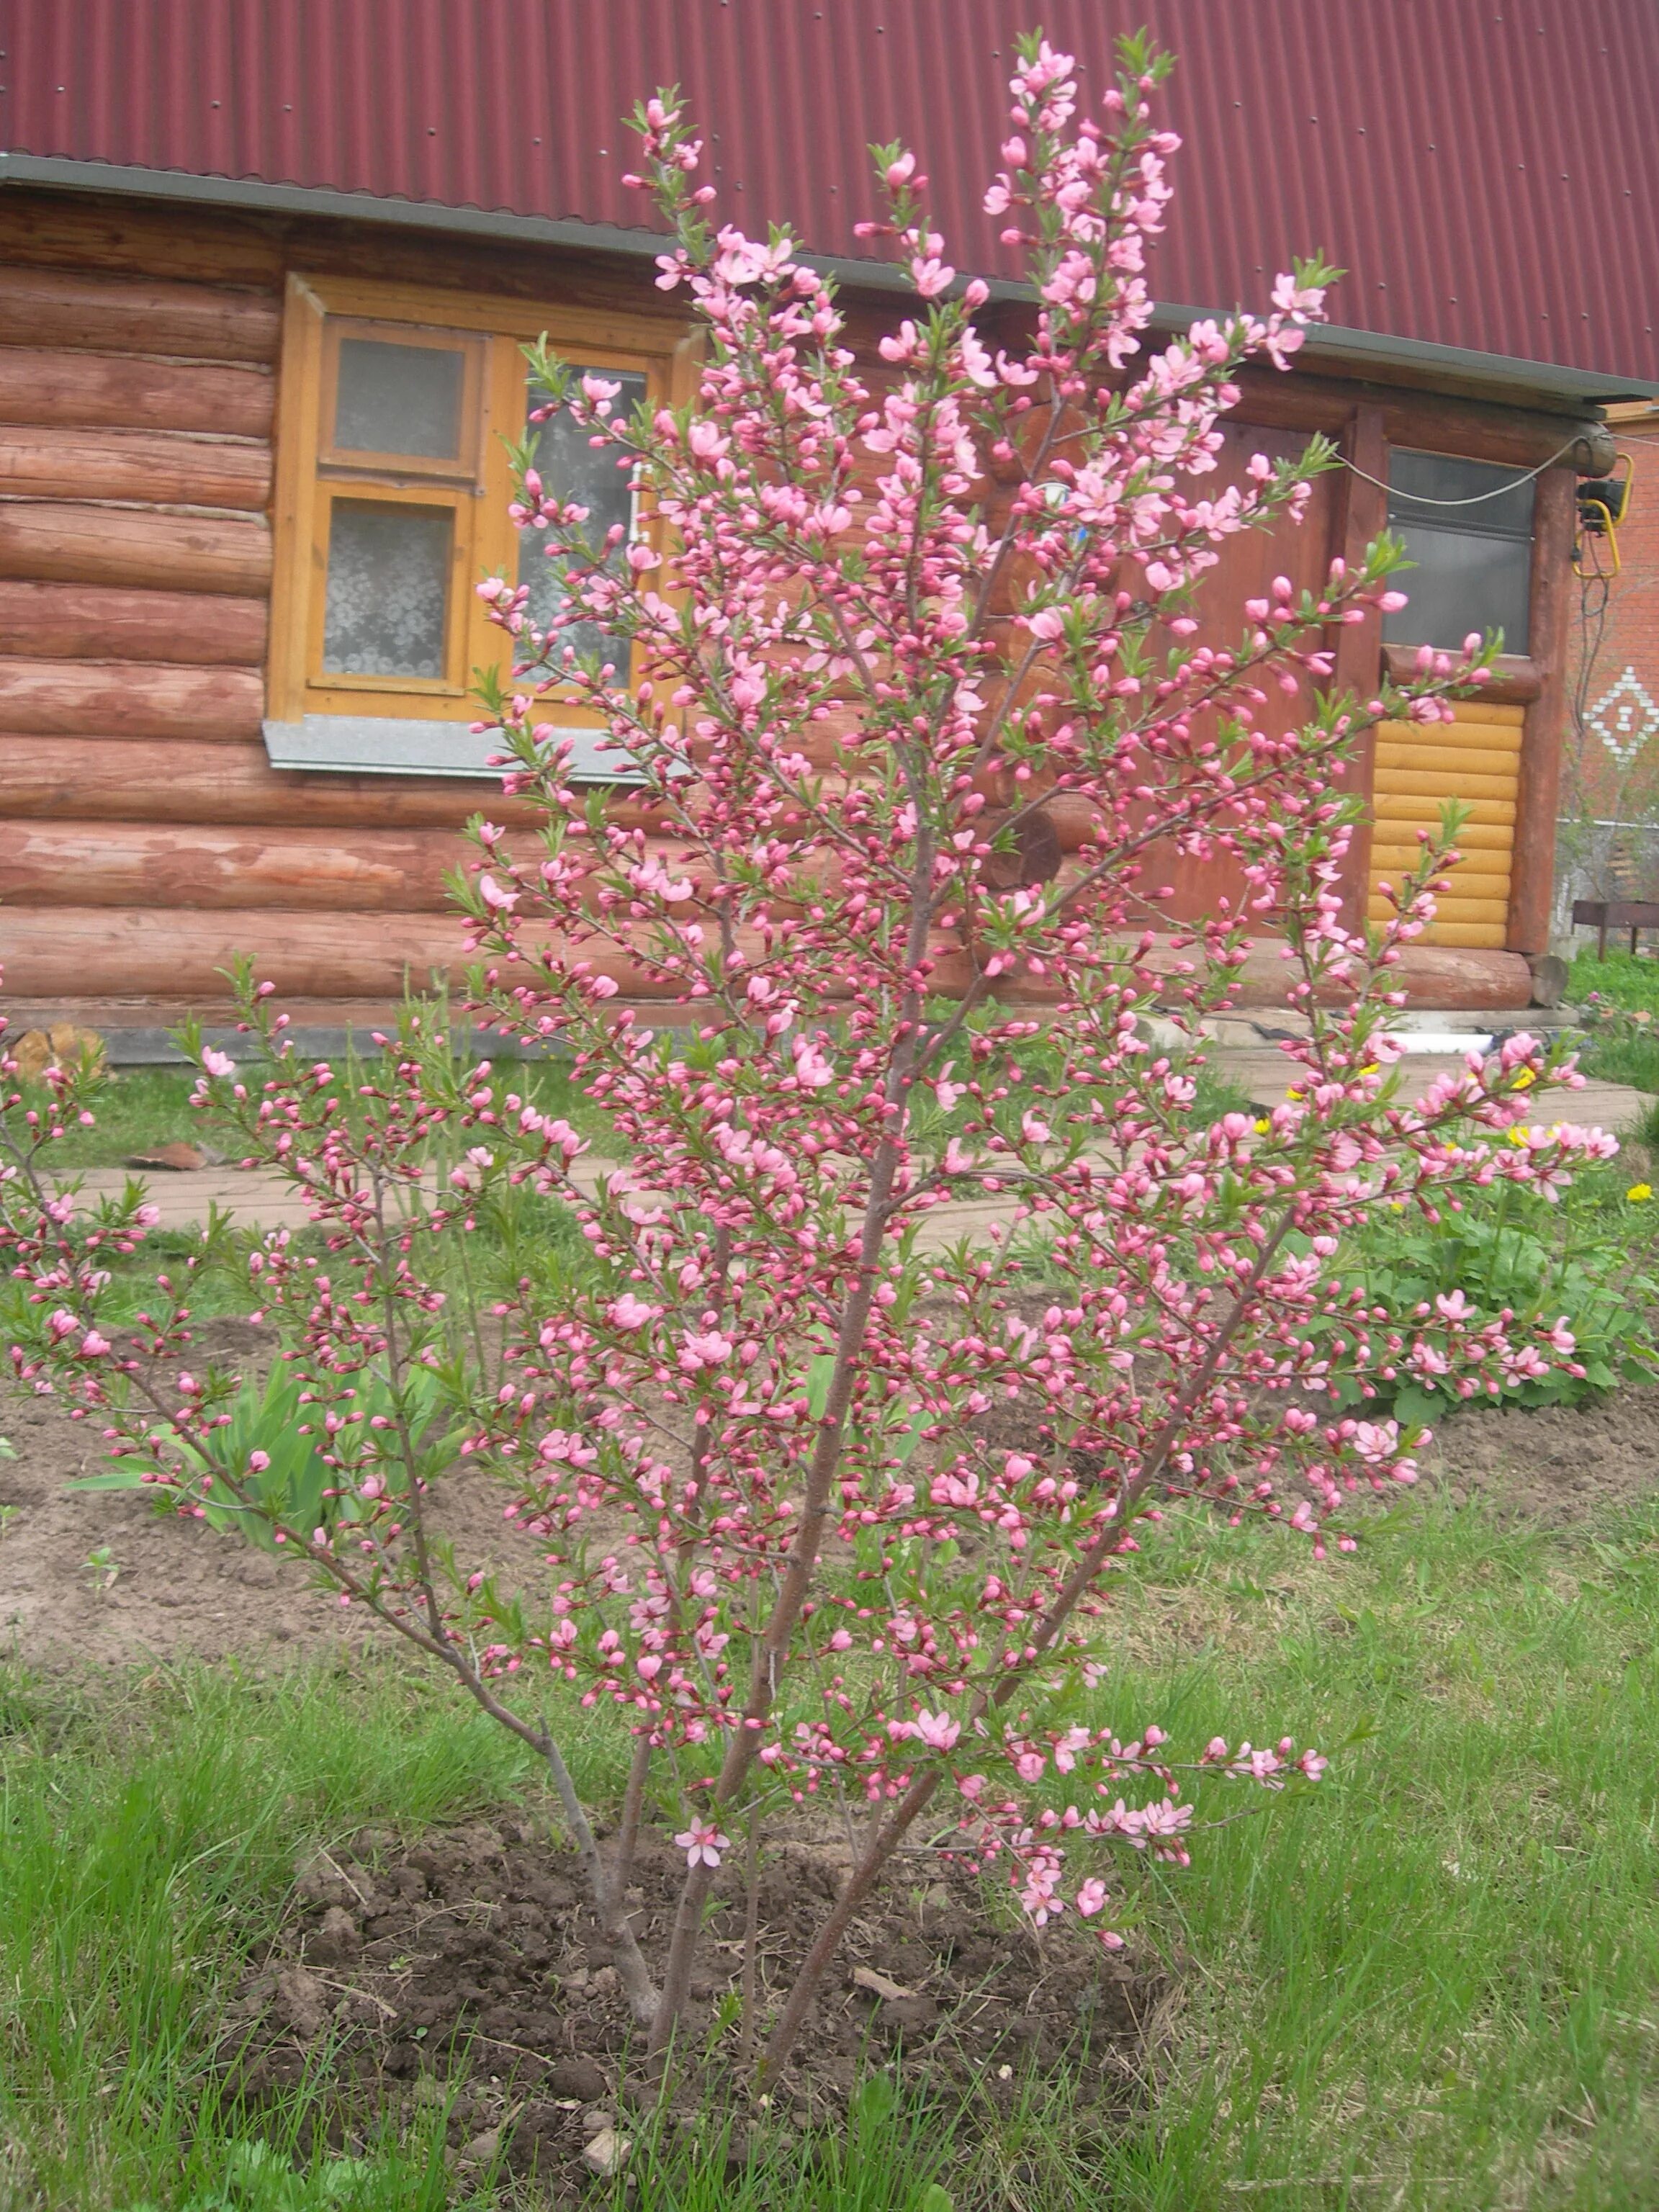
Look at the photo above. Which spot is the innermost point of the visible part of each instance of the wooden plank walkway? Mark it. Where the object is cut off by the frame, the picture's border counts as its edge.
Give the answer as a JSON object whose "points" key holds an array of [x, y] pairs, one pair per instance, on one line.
{"points": [[261, 1199]]}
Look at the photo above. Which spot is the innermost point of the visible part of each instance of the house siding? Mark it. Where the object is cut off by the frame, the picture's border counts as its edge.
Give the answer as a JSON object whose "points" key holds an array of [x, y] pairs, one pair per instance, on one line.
{"points": [[145, 841]]}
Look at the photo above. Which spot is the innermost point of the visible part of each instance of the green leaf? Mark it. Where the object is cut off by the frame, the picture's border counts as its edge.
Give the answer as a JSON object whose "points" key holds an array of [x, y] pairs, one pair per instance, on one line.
{"points": [[876, 2099], [1415, 1407]]}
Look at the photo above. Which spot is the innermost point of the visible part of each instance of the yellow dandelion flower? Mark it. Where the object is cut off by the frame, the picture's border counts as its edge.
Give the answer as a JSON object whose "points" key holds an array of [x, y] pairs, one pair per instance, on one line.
{"points": [[1262, 1127], [1524, 1081], [1639, 1192], [1293, 1094], [1518, 1135]]}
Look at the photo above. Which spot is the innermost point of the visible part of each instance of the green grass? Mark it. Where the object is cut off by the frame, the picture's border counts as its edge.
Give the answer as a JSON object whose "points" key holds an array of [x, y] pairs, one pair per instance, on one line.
{"points": [[1433, 1980], [146, 1842], [1631, 1056], [141, 1109], [1627, 981]]}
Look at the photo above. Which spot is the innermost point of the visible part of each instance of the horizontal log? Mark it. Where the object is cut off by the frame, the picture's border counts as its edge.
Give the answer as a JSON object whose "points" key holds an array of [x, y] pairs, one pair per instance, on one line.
{"points": [[65, 957], [1488, 890], [1453, 913], [1486, 710], [1489, 836], [1452, 763], [128, 951], [68, 307], [1435, 784], [1516, 681], [135, 237], [124, 779], [93, 952], [1483, 936], [1433, 976], [138, 699], [163, 468], [1397, 860], [64, 543], [135, 780], [128, 864], [82, 621], [121, 393], [1453, 737], [1425, 813]]}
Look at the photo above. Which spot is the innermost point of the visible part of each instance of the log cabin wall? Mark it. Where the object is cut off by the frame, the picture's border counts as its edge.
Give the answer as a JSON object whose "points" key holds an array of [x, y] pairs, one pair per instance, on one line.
{"points": [[144, 838]]}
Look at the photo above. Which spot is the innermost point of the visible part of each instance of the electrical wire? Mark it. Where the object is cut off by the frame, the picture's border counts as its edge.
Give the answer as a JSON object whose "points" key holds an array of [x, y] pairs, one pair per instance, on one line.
{"points": [[1480, 498]]}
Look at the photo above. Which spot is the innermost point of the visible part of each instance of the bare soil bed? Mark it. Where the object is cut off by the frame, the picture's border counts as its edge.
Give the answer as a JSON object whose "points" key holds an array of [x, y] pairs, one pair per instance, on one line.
{"points": [[167, 1587], [466, 1968], [471, 1966]]}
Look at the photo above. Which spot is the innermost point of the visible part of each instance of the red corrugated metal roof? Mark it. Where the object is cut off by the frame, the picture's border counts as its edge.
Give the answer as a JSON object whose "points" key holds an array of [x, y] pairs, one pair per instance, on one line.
{"points": [[1486, 170]]}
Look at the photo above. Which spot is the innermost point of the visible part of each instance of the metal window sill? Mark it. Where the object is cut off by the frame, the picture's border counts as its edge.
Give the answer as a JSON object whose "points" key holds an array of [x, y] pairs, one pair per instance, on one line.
{"points": [[382, 744]]}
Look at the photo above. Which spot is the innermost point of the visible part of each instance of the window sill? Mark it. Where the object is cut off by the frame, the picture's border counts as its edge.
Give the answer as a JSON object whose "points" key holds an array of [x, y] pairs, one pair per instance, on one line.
{"points": [[381, 745]]}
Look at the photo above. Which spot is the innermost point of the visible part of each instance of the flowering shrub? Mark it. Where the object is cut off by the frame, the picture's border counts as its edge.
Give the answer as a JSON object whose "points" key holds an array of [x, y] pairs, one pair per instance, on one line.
{"points": [[883, 639]]}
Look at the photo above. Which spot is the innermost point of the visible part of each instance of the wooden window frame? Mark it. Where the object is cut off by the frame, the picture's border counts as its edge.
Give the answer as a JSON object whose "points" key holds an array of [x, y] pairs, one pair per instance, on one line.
{"points": [[309, 477], [355, 460]]}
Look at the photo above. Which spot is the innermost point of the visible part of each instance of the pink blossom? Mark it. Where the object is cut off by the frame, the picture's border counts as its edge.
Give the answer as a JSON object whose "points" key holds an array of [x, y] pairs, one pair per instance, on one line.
{"points": [[936, 1730], [703, 1843]]}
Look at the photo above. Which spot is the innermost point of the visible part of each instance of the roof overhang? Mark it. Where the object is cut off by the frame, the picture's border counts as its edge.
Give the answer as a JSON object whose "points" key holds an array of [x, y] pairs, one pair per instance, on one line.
{"points": [[1505, 377]]}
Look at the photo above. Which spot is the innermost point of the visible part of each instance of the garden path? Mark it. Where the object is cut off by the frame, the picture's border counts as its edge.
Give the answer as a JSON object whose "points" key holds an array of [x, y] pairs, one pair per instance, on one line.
{"points": [[259, 1198]]}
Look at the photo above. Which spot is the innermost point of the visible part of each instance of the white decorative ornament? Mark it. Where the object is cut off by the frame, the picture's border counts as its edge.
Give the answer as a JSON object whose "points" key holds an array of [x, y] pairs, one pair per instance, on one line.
{"points": [[1625, 719]]}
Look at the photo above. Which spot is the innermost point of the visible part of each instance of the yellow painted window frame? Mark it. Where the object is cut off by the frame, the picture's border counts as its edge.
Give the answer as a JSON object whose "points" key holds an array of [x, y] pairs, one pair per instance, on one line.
{"points": [[308, 479]]}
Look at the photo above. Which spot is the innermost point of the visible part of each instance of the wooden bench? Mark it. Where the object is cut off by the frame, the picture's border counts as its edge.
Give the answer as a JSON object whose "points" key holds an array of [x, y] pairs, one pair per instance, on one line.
{"points": [[1603, 915]]}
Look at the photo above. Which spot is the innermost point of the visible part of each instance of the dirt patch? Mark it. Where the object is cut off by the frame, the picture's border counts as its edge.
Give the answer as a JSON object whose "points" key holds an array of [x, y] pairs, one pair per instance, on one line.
{"points": [[168, 1588], [1552, 1463], [469, 1964]]}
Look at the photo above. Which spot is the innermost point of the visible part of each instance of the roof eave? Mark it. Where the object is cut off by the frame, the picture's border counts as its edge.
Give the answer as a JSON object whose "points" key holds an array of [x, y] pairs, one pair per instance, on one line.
{"points": [[1505, 376]]}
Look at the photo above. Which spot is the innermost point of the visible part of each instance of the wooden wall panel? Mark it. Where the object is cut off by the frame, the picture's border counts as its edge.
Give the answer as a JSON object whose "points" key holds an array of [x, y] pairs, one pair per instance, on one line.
{"points": [[83, 622], [124, 392], [80, 543], [139, 699], [128, 864], [165, 779], [134, 237], [1476, 758], [70, 953], [156, 468], [70, 309], [139, 818]]}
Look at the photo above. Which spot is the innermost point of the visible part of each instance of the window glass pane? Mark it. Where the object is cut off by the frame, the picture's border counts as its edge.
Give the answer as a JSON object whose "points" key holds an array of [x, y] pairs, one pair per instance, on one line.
{"points": [[571, 469], [1474, 567], [1502, 501], [1461, 582], [399, 399], [388, 589]]}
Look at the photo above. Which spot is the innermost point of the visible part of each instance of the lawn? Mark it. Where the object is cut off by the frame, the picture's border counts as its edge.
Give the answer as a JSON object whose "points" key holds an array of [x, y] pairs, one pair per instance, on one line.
{"points": [[1434, 1980], [1625, 1052], [141, 1109]]}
